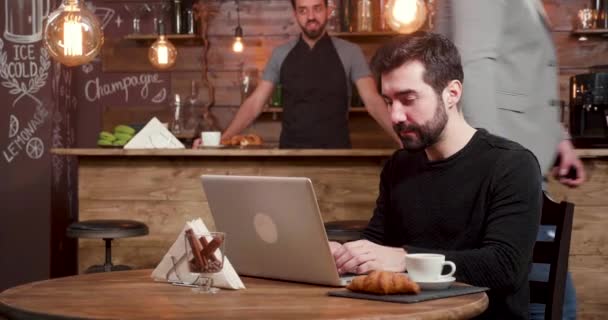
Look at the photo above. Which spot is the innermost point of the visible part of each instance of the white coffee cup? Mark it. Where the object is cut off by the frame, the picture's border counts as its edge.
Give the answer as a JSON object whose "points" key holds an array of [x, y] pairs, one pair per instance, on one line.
{"points": [[423, 267], [210, 138]]}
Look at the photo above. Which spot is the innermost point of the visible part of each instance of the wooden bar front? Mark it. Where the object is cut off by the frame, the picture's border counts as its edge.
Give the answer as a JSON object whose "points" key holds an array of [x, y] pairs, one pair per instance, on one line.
{"points": [[162, 189]]}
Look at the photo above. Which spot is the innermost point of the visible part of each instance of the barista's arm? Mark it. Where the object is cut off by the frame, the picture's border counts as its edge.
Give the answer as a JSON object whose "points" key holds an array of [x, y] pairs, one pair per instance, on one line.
{"points": [[250, 109], [376, 106]]}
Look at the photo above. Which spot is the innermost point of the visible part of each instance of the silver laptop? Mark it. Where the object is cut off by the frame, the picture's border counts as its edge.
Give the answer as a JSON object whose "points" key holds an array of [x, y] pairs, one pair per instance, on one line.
{"points": [[273, 228]]}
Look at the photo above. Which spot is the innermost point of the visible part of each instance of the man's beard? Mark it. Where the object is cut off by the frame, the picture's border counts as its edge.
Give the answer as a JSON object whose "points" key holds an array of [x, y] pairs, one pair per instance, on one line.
{"points": [[314, 34], [425, 135]]}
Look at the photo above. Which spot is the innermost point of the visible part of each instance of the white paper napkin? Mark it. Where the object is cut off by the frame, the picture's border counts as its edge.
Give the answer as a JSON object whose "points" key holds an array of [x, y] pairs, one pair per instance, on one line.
{"points": [[154, 135], [174, 265]]}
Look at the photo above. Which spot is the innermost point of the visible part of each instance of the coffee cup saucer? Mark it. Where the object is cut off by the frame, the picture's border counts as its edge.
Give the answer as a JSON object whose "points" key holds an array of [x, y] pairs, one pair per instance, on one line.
{"points": [[439, 284]]}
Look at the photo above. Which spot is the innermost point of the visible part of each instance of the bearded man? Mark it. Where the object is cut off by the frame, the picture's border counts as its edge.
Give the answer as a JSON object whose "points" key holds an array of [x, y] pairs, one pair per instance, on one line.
{"points": [[453, 190]]}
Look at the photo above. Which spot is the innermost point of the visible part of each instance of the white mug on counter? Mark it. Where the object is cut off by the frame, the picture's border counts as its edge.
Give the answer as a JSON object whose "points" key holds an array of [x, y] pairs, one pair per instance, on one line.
{"points": [[211, 138], [427, 267]]}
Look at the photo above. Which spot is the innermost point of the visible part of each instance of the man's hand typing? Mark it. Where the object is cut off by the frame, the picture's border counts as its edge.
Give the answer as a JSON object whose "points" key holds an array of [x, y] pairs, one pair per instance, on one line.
{"points": [[363, 256]]}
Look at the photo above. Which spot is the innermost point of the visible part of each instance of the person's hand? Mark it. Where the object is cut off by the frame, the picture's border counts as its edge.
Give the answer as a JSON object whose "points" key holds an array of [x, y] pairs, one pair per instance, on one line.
{"points": [[568, 161], [334, 247], [363, 256], [196, 143]]}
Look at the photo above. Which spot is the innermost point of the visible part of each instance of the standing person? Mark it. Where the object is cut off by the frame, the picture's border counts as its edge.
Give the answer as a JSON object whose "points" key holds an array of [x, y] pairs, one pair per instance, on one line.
{"points": [[315, 71], [453, 190], [510, 66]]}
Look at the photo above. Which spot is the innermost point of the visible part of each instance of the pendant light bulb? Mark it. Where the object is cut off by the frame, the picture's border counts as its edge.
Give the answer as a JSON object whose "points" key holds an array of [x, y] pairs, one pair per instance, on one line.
{"points": [[405, 16], [73, 35], [162, 53], [237, 46]]}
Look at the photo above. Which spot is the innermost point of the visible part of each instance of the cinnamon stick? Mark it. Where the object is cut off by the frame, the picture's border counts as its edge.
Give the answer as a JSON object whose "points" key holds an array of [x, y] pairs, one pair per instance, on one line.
{"points": [[209, 249], [196, 247], [205, 243]]}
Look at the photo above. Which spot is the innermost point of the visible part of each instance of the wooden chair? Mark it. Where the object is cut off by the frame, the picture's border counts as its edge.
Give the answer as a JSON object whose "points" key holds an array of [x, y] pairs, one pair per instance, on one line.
{"points": [[555, 253]]}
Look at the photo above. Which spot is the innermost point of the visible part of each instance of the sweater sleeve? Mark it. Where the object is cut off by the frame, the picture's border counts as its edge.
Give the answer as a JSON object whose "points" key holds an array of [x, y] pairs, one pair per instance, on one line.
{"points": [[515, 199], [374, 231]]}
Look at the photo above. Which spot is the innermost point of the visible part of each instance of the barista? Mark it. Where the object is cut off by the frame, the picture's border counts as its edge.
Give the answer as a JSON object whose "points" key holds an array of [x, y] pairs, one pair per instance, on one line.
{"points": [[315, 71]]}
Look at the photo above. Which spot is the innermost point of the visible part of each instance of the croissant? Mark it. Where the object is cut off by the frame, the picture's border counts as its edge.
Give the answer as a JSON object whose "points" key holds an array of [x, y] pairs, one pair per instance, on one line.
{"points": [[251, 140], [243, 140], [384, 282]]}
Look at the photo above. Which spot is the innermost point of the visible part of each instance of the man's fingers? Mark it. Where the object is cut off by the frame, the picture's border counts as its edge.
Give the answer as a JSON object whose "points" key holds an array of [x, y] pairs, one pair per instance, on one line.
{"points": [[573, 181], [334, 247], [348, 254], [196, 143], [368, 267], [352, 264]]}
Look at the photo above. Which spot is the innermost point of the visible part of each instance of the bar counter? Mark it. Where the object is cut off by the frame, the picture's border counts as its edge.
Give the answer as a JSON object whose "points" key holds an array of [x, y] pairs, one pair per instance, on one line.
{"points": [[162, 189], [232, 152]]}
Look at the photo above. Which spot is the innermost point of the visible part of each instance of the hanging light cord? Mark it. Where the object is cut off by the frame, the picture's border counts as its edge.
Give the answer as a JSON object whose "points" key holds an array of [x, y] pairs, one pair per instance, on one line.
{"points": [[238, 13], [238, 31]]}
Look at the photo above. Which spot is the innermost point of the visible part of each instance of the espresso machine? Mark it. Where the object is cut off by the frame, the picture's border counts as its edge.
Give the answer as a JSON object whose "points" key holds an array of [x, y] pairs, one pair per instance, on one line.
{"points": [[589, 110]]}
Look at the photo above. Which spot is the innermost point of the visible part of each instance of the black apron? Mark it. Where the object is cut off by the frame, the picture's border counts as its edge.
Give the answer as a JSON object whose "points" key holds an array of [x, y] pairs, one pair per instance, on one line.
{"points": [[315, 97]]}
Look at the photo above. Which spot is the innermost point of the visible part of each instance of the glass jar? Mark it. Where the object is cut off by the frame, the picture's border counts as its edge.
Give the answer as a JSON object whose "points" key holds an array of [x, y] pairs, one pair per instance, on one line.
{"points": [[333, 22], [249, 82], [194, 105], [346, 15], [276, 100], [177, 120], [364, 16]]}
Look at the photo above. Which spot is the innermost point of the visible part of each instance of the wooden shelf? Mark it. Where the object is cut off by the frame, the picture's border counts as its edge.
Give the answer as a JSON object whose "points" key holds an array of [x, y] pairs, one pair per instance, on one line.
{"points": [[150, 37], [280, 109], [590, 32], [364, 34], [185, 37]]}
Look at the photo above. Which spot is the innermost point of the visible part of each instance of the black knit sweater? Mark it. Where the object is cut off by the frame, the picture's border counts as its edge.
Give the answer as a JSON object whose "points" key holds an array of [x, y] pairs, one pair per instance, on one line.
{"points": [[480, 208]]}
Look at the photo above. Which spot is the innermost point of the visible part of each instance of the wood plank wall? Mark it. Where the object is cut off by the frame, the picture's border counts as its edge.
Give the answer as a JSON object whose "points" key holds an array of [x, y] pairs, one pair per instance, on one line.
{"points": [[588, 251], [266, 24]]}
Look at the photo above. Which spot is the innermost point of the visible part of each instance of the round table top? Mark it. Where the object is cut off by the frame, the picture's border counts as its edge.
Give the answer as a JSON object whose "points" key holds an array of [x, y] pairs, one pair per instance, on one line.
{"points": [[134, 295]]}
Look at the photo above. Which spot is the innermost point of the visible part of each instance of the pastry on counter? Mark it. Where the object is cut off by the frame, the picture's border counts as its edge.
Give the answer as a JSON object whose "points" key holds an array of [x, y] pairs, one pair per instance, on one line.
{"points": [[243, 140]]}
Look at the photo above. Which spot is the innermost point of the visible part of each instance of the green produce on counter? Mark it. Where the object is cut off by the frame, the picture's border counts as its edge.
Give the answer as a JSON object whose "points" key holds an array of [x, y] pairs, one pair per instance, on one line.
{"points": [[123, 136], [104, 143], [119, 143], [121, 128], [104, 135]]}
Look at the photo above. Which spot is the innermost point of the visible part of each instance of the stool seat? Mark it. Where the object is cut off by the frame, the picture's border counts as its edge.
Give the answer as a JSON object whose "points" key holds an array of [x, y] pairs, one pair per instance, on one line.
{"points": [[345, 230], [107, 229]]}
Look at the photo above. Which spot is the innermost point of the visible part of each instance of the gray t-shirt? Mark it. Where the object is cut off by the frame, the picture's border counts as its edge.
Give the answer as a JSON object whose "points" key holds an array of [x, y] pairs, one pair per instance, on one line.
{"points": [[350, 54]]}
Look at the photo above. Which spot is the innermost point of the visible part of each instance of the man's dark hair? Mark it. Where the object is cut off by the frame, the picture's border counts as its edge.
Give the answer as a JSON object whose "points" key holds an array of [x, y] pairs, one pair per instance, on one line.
{"points": [[293, 3], [437, 53]]}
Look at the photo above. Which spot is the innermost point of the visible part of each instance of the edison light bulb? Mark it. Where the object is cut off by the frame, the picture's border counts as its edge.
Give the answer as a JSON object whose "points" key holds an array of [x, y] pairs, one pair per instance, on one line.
{"points": [[405, 16], [162, 53], [73, 35], [237, 46]]}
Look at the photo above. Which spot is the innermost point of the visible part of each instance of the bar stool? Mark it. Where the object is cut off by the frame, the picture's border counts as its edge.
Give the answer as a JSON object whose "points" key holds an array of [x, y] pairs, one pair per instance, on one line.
{"points": [[345, 230], [107, 230]]}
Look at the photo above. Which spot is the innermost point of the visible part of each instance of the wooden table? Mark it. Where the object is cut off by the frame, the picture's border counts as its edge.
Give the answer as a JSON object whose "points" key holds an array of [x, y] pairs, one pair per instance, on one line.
{"points": [[134, 295]]}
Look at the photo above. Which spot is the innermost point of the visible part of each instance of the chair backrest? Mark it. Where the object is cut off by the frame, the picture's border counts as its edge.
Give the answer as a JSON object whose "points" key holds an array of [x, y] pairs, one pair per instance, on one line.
{"points": [[555, 253]]}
